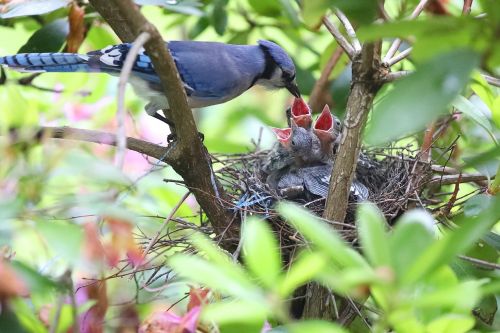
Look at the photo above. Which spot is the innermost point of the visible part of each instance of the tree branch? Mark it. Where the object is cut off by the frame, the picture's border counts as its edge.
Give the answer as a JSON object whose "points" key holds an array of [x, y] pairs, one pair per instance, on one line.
{"points": [[121, 114], [365, 71], [69, 133], [402, 55], [397, 42], [188, 156], [341, 40], [349, 29], [320, 89], [393, 76]]}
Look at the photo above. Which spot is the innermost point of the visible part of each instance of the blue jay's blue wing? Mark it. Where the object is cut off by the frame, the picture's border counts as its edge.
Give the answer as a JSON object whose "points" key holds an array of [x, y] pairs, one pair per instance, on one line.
{"points": [[217, 70], [212, 73]]}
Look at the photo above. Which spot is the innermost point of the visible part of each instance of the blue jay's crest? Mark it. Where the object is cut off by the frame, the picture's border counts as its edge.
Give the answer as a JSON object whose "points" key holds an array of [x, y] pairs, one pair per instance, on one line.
{"points": [[280, 57]]}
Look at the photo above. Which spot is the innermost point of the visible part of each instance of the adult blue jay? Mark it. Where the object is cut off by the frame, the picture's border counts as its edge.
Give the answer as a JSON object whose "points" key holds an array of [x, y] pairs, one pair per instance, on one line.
{"points": [[212, 73]]}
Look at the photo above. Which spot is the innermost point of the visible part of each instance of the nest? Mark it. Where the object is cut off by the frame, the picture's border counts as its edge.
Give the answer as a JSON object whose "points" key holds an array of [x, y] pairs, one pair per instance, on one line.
{"points": [[394, 182]]}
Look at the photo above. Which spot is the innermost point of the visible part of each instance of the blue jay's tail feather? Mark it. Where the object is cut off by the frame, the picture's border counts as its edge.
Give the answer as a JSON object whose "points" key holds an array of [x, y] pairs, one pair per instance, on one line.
{"points": [[49, 62]]}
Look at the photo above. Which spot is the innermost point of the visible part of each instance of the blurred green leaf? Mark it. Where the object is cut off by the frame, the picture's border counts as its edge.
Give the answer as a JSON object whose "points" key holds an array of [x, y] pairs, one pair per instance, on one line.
{"points": [[360, 11], [475, 205], [236, 312], [30, 7], [439, 80], [269, 8], [50, 38], [221, 259], [200, 26], [214, 276], [454, 243], [321, 235], [64, 238], [219, 16], [373, 235], [304, 269], [464, 105], [411, 236], [37, 283], [451, 323], [316, 326], [261, 251], [313, 11]]}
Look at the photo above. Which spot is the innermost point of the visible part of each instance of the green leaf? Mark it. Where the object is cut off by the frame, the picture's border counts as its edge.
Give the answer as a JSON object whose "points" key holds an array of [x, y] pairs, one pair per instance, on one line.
{"points": [[223, 279], [304, 269], [316, 326], [411, 236], [64, 238], [236, 312], [31, 7], [221, 259], [219, 17], [36, 282], [465, 106], [261, 251], [373, 235], [362, 11], [269, 8], [451, 323], [321, 235], [50, 38], [439, 80], [313, 11], [454, 243]]}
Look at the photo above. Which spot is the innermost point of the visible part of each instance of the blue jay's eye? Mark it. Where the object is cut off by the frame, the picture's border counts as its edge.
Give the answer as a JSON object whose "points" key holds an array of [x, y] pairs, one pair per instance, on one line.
{"points": [[293, 143]]}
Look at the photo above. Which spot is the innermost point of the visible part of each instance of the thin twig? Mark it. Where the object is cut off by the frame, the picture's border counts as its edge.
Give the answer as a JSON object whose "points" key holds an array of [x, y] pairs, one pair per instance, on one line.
{"points": [[467, 6], [452, 179], [341, 40], [349, 29], [389, 77], [320, 86], [162, 228], [121, 138], [397, 42], [400, 56], [480, 263], [494, 81]]}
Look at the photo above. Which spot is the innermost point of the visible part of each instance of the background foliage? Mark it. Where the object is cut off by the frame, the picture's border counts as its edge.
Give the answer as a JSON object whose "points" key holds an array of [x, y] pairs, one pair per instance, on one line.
{"points": [[63, 225]]}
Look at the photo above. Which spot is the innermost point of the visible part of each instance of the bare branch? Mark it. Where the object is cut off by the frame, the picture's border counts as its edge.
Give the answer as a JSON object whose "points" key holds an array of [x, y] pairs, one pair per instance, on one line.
{"points": [[364, 87], [158, 234], [467, 7], [341, 40], [140, 146], [397, 42], [452, 179], [480, 263], [492, 80], [317, 99], [349, 29], [121, 114], [402, 55], [389, 77]]}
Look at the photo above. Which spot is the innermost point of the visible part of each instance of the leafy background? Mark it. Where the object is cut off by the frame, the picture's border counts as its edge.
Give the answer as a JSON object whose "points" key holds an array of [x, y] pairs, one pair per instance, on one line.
{"points": [[60, 219]]}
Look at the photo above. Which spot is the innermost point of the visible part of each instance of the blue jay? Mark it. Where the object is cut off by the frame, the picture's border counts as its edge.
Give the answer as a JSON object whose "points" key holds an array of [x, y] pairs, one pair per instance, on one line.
{"points": [[212, 73]]}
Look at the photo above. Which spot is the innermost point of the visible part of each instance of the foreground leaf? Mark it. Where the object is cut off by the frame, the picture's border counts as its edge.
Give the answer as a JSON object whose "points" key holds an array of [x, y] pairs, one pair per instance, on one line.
{"points": [[421, 97]]}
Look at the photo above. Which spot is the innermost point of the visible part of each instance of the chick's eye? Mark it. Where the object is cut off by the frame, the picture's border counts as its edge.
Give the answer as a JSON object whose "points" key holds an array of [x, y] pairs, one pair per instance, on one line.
{"points": [[293, 143]]}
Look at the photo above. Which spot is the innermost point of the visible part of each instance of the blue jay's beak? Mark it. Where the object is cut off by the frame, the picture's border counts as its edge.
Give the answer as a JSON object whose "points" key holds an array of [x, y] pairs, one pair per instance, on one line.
{"points": [[293, 88]]}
